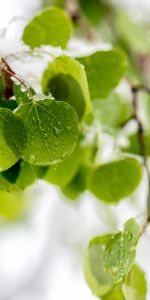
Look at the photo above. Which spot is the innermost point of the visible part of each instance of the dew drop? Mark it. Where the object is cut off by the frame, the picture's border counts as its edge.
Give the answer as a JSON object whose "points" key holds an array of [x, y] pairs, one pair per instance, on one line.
{"points": [[114, 270], [45, 135], [128, 236], [33, 119], [68, 128], [32, 159], [57, 131]]}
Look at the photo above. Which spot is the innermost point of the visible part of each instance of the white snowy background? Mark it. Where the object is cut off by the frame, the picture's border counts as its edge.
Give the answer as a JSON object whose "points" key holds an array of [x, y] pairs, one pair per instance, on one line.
{"points": [[41, 257]]}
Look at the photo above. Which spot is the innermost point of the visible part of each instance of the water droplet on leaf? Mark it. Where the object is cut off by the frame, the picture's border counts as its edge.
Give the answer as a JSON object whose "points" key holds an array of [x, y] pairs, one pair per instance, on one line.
{"points": [[32, 159], [57, 131]]}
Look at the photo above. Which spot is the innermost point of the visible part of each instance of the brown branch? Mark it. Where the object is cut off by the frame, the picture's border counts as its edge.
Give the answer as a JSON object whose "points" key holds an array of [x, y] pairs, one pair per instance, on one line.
{"points": [[141, 138], [140, 88], [74, 12]]}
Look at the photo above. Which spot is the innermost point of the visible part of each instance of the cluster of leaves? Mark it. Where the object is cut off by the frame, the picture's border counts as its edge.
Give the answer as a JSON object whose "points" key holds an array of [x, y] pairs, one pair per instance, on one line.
{"points": [[109, 265], [49, 137]]}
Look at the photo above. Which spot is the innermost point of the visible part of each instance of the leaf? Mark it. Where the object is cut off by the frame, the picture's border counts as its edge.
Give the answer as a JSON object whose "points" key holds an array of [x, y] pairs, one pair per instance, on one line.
{"points": [[20, 94], [135, 286], [65, 78], [115, 294], [78, 184], [27, 176], [52, 27], [7, 156], [39, 171], [112, 112], [94, 10], [11, 205], [10, 104], [132, 33], [4, 183], [134, 146], [49, 132], [119, 254], [104, 70], [98, 280], [113, 181], [20, 176], [63, 174], [12, 173]]}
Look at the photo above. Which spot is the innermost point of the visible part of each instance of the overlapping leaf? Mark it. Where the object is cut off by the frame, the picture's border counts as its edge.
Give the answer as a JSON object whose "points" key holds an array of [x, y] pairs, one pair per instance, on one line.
{"points": [[120, 251], [104, 71], [135, 286], [8, 157], [65, 78], [47, 134], [99, 281]]}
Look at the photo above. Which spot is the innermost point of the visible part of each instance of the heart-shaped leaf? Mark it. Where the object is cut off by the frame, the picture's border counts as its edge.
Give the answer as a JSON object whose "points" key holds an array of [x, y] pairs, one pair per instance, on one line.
{"points": [[48, 134]]}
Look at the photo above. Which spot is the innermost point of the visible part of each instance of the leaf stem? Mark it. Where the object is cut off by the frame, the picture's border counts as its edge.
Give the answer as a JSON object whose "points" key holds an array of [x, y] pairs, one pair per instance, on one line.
{"points": [[5, 68]]}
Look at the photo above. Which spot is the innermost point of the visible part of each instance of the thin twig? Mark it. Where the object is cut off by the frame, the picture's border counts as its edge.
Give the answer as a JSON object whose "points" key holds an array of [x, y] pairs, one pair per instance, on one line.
{"points": [[5, 68], [141, 137], [142, 143], [140, 88]]}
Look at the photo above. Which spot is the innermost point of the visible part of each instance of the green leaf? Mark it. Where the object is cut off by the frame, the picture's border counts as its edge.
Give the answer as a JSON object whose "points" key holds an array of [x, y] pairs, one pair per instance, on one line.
{"points": [[11, 205], [20, 176], [65, 78], [10, 104], [7, 156], [64, 173], [50, 27], [112, 112], [49, 132], [99, 281], [104, 71], [5, 185], [20, 94], [94, 10], [39, 171], [132, 33], [78, 184], [119, 254], [134, 286], [113, 181], [27, 176], [12, 173], [134, 146], [115, 294]]}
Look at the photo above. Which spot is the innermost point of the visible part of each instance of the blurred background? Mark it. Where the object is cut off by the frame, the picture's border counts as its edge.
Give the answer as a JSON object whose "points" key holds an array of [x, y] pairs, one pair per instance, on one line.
{"points": [[42, 246]]}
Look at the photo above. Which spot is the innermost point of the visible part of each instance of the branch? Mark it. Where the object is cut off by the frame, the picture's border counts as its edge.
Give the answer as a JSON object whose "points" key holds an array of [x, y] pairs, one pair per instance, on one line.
{"points": [[141, 138]]}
